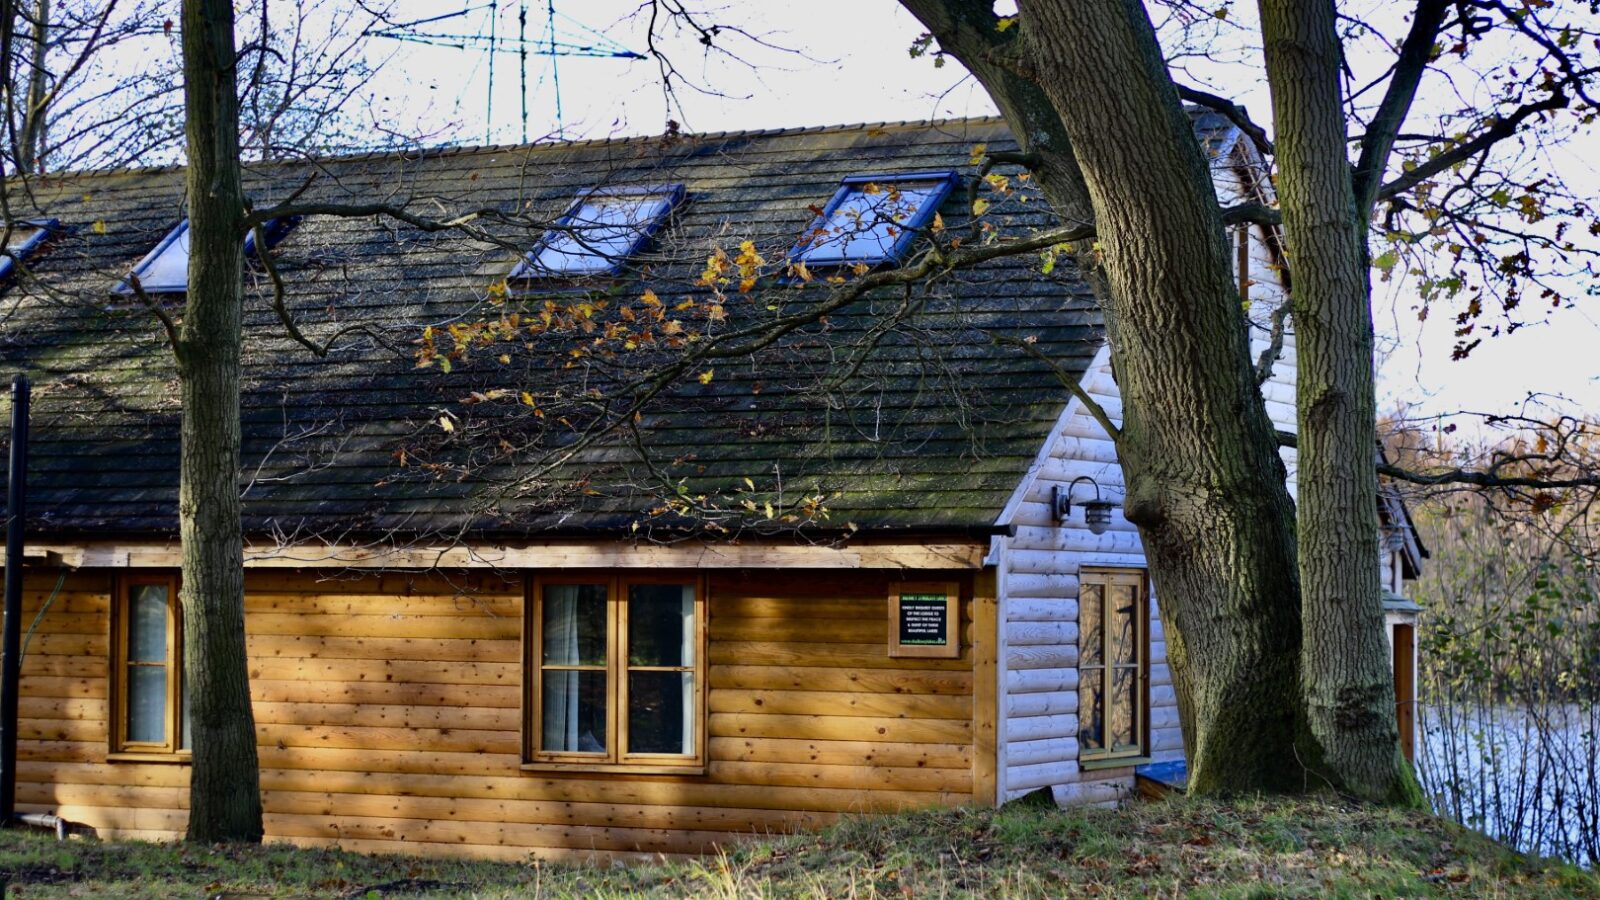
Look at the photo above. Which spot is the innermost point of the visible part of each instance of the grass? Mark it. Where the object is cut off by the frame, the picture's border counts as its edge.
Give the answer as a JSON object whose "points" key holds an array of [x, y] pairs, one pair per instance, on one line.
{"points": [[1177, 848]]}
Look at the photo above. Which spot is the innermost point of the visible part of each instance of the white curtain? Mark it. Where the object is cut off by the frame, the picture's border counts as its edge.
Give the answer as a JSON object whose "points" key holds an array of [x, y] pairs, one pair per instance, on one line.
{"points": [[686, 651], [561, 646]]}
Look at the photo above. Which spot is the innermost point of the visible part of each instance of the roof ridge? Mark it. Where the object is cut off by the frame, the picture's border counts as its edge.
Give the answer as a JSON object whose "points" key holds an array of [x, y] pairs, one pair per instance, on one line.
{"points": [[423, 152]]}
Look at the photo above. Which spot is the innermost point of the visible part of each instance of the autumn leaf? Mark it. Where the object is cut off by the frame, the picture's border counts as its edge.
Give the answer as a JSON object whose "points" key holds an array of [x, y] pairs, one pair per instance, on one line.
{"points": [[99, 226], [978, 153], [706, 376], [980, 206], [446, 424], [1005, 22]]}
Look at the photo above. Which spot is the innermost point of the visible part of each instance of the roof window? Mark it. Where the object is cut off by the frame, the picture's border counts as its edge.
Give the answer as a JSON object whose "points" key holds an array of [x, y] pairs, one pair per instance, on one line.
{"points": [[165, 269], [873, 218], [599, 232], [26, 236]]}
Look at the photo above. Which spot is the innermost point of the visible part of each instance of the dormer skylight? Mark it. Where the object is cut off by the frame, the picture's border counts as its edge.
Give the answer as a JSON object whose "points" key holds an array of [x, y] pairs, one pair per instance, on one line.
{"points": [[873, 218], [25, 238], [165, 269], [599, 232]]}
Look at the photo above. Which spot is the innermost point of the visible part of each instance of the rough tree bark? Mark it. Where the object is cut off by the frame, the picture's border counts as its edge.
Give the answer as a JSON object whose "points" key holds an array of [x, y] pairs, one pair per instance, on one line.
{"points": [[1205, 484], [1347, 682], [225, 795]]}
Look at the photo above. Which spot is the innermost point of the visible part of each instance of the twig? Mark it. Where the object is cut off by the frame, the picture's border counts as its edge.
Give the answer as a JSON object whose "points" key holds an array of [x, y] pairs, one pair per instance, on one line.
{"points": [[1070, 383]]}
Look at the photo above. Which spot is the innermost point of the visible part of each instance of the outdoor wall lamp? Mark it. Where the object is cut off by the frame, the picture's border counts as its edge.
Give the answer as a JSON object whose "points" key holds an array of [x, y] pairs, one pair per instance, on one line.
{"points": [[1096, 512]]}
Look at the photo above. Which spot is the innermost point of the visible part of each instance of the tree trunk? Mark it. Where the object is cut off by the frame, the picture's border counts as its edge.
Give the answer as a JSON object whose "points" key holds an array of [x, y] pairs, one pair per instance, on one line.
{"points": [[1345, 670], [30, 143], [225, 795]]}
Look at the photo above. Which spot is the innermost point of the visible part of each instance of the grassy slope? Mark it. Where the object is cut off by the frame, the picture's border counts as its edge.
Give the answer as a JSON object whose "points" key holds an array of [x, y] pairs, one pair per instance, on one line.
{"points": [[1178, 848]]}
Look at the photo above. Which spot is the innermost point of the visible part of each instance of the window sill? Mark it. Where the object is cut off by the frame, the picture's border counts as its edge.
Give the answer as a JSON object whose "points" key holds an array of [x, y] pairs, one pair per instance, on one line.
{"points": [[616, 768], [137, 757], [1113, 762]]}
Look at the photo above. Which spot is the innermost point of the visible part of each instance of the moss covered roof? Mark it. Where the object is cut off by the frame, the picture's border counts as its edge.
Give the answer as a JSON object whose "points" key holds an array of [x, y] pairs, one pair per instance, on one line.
{"points": [[898, 412]]}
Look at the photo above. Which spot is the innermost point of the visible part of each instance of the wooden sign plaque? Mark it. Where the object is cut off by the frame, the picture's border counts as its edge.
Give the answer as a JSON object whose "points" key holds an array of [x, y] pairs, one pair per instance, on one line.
{"points": [[925, 620]]}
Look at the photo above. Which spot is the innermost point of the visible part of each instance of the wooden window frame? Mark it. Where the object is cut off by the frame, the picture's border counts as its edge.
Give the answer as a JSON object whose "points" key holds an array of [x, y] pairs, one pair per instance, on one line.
{"points": [[616, 758], [1108, 757], [122, 749]]}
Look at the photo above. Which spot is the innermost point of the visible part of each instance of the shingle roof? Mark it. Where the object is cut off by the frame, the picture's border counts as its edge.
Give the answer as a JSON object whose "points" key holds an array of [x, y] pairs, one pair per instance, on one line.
{"points": [[931, 427]]}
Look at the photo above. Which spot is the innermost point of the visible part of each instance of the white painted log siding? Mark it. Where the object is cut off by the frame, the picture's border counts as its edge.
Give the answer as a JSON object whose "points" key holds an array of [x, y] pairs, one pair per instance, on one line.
{"points": [[1039, 565]]}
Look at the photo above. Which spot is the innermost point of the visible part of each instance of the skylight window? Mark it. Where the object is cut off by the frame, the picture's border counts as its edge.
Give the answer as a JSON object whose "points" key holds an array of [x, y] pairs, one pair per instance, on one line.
{"points": [[873, 218], [165, 270], [599, 232], [25, 238]]}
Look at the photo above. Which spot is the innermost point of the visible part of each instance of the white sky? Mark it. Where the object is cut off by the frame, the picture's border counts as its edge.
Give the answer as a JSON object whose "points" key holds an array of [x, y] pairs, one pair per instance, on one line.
{"points": [[854, 67]]}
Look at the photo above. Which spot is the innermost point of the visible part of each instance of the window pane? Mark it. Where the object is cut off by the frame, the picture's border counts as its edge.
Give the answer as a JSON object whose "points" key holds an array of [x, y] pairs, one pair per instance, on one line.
{"points": [[661, 712], [147, 704], [599, 235], [574, 624], [147, 623], [1123, 624], [574, 706], [1090, 641], [186, 735], [866, 226], [1122, 734], [661, 625], [169, 270], [1091, 711]]}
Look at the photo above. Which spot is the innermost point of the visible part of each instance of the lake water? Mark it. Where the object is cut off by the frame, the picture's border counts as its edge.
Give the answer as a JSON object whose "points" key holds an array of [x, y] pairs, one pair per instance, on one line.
{"points": [[1526, 776]]}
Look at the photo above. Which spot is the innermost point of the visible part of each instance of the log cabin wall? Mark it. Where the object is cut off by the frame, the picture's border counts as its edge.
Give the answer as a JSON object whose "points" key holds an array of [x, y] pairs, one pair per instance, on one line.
{"points": [[389, 714]]}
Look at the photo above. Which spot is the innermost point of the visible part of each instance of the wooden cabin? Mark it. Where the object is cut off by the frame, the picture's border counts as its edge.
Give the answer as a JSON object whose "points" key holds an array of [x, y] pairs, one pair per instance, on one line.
{"points": [[833, 576]]}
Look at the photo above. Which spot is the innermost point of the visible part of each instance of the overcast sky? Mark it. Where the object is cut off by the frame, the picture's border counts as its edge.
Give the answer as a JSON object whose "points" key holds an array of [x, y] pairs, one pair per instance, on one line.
{"points": [[846, 61]]}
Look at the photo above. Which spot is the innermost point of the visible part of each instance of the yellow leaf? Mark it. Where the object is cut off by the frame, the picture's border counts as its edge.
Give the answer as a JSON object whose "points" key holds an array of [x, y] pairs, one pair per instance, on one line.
{"points": [[750, 484], [767, 507], [1005, 22], [980, 206], [99, 226], [706, 376], [446, 424], [505, 359], [938, 223], [527, 399], [978, 152]]}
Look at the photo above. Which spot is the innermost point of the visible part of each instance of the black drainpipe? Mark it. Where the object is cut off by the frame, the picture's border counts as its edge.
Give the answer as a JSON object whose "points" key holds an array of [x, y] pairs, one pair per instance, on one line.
{"points": [[11, 635]]}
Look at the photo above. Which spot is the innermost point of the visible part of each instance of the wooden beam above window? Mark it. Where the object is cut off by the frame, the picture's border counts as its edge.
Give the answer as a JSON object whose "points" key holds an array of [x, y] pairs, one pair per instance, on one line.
{"points": [[946, 554]]}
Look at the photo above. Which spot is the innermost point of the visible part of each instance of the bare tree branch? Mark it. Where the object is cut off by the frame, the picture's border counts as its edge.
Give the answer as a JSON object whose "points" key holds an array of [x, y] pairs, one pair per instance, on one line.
{"points": [[1071, 384], [1410, 65], [1233, 112], [1501, 129]]}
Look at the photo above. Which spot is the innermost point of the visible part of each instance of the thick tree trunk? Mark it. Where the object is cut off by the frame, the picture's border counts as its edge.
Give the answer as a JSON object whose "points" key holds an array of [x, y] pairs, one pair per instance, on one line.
{"points": [[1205, 484], [1348, 684], [225, 795]]}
